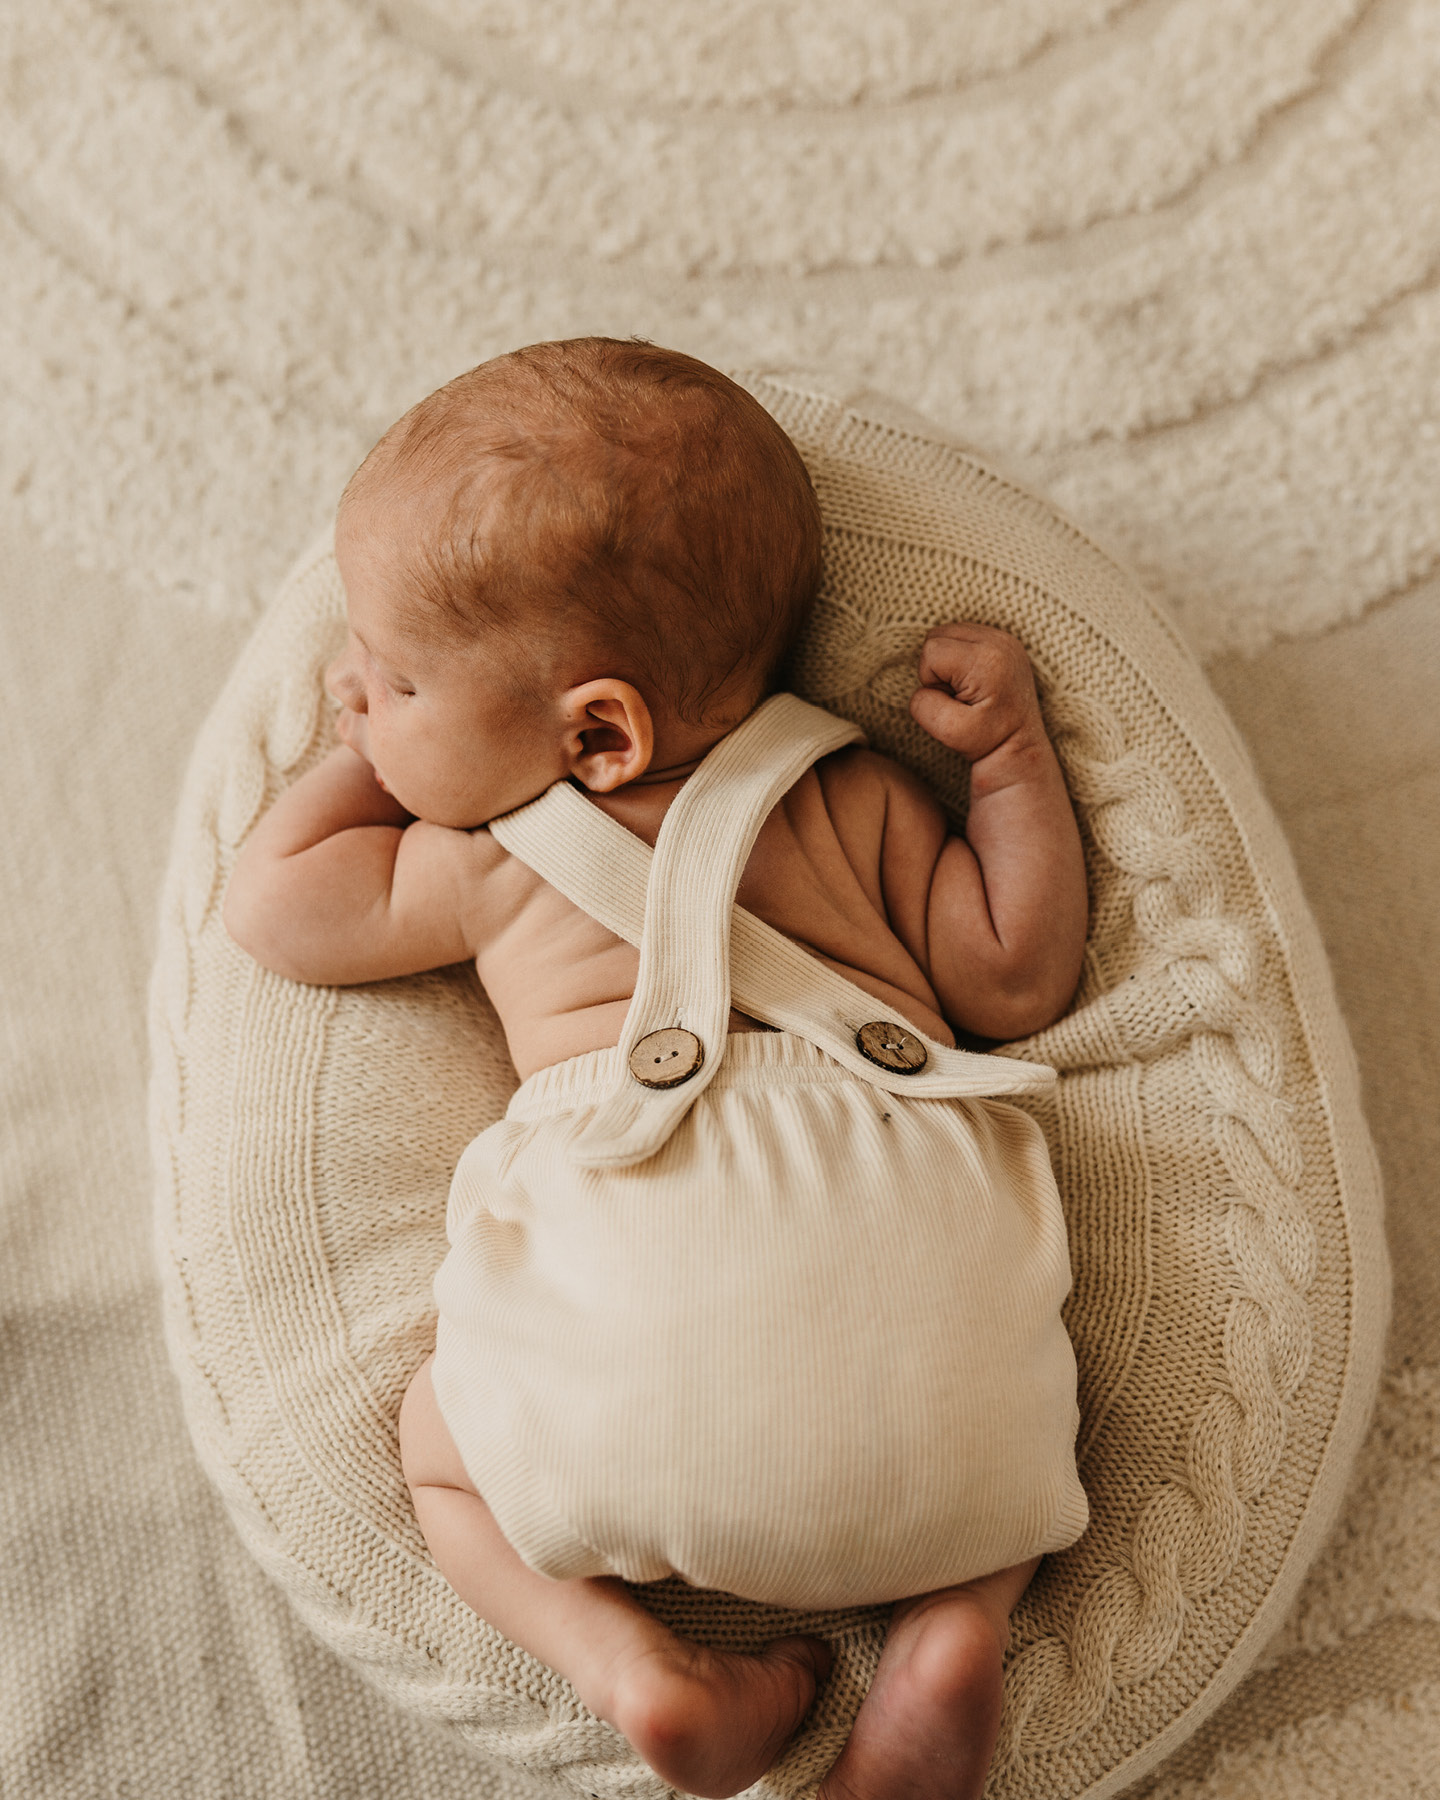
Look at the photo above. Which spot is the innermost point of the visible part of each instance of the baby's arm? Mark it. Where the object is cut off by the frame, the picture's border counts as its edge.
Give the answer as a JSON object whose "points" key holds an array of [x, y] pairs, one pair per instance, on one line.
{"points": [[337, 884], [1006, 908]]}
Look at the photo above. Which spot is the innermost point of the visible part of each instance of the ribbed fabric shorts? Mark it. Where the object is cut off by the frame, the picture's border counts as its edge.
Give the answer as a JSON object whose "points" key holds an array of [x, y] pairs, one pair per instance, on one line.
{"points": [[810, 1352]]}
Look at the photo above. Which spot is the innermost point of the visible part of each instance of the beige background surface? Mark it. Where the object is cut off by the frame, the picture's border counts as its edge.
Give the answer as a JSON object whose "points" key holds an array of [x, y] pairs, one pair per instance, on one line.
{"points": [[1172, 262]]}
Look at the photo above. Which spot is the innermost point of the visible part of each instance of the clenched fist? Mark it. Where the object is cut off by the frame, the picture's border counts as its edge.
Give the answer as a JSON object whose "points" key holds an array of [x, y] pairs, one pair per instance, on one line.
{"points": [[976, 690]]}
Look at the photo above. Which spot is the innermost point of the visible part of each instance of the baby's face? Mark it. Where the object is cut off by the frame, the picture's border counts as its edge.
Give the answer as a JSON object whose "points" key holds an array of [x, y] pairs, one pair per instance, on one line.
{"points": [[437, 717]]}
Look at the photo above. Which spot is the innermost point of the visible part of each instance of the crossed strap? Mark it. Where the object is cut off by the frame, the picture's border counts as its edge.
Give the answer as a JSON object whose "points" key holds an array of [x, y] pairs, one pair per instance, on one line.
{"points": [[700, 953]]}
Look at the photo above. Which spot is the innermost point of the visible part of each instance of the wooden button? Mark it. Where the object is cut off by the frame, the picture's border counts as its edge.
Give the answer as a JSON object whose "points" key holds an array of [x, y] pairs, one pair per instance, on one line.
{"points": [[892, 1047], [663, 1059]]}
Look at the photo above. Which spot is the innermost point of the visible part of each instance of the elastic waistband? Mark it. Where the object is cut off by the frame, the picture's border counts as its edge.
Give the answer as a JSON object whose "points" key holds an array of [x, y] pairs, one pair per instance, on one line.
{"points": [[752, 1059]]}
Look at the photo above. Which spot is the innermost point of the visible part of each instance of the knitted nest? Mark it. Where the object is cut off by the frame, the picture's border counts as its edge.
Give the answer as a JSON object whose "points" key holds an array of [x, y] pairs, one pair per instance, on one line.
{"points": [[1221, 1192]]}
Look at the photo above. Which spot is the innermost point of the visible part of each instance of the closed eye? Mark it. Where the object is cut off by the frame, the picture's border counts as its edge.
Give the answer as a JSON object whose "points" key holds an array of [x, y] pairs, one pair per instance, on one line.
{"points": [[396, 685]]}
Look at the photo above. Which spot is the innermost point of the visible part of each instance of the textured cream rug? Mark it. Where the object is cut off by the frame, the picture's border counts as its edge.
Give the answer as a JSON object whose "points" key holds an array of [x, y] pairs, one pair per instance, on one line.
{"points": [[1171, 261]]}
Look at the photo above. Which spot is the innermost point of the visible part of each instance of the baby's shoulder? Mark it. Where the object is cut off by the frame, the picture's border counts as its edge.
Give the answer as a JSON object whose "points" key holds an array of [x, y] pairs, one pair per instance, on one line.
{"points": [[857, 771], [862, 787], [488, 886], [886, 822]]}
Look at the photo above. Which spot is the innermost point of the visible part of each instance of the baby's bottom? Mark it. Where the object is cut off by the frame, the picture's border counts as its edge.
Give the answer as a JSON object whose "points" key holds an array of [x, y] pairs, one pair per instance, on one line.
{"points": [[708, 1721]]}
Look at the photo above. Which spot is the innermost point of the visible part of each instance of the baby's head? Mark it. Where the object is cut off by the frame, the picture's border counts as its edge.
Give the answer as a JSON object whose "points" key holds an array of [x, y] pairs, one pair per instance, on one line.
{"points": [[587, 557]]}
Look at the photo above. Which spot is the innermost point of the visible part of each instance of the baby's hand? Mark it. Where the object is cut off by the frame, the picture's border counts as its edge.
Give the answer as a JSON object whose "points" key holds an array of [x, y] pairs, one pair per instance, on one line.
{"points": [[353, 730], [976, 690]]}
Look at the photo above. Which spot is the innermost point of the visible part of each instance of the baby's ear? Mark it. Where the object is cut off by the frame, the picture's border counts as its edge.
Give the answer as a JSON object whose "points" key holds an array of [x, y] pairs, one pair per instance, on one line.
{"points": [[609, 734]]}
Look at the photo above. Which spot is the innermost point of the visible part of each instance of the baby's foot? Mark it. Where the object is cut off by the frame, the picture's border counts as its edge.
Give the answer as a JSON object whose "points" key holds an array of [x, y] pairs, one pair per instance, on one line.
{"points": [[927, 1728], [710, 1722]]}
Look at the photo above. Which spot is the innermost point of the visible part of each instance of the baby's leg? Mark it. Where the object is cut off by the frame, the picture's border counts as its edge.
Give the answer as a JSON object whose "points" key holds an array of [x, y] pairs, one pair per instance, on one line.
{"points": [[706, 1721], [927, 1728]]}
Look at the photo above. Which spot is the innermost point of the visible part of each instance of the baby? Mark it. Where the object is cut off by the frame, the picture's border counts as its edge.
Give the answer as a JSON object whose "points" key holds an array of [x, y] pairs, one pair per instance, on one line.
{"points": [[758, 1281]]}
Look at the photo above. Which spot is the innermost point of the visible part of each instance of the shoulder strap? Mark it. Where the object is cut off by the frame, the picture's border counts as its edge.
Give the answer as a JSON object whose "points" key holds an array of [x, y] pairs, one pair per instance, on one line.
{"points": [[609, 872], [704, 842]]}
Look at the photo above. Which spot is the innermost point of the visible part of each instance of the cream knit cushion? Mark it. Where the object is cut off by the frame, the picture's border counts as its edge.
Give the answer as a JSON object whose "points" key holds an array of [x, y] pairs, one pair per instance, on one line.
{"points": [[1230, 1284]]}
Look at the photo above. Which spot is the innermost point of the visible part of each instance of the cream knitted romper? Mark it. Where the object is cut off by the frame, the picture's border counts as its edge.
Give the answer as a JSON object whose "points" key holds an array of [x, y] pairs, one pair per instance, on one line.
{"points": [[790, 1325]]}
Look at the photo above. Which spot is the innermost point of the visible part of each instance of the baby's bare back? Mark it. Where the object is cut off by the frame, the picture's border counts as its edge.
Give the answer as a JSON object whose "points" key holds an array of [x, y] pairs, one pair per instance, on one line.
{"points": [[821, 872], [984, 933]]}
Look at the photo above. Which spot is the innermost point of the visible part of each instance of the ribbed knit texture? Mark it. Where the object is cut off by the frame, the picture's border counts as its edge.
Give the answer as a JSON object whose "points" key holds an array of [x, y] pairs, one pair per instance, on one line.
{"points": [[809, 1352], [1218, 1182]]}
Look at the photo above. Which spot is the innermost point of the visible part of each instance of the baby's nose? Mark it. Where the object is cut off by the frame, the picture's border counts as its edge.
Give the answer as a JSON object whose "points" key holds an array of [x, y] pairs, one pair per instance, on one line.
{"points": [[346, 686]]}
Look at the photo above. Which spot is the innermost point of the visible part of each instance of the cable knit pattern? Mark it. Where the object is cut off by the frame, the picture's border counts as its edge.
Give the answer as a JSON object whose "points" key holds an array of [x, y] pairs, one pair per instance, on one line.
{"points": [[1190, 1531], [1230, 1291]]}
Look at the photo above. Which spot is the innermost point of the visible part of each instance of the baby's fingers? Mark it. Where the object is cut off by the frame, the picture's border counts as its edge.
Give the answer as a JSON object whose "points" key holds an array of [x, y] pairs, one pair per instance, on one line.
{"points": [[947, 657], [973, 661], [963, 725], [975, 687]]}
